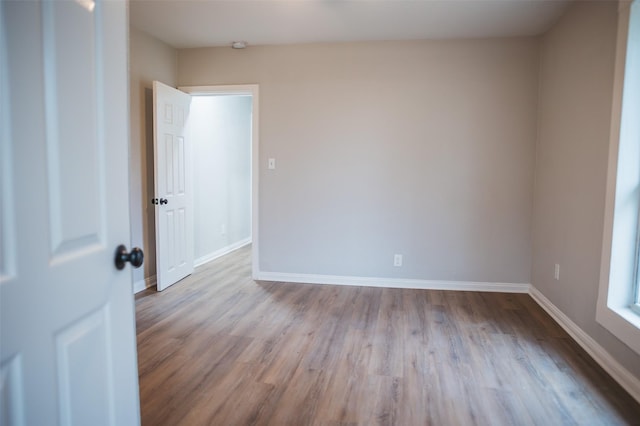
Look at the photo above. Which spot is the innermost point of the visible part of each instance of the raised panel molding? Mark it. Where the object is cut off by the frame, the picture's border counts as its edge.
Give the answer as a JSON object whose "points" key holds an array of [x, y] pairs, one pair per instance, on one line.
{"points": [[181, 167], [83, 354], [168, 113], [182, 244], [71, 233], [171, 243], [7, 218], [180, 120], [11, 393], [168, 149]]}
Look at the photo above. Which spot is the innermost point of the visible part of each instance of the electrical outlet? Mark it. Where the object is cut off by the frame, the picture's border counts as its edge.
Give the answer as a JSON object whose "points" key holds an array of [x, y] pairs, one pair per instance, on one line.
{"points": [[272, 164], [556, 272], [223, 229], [397, 260]]}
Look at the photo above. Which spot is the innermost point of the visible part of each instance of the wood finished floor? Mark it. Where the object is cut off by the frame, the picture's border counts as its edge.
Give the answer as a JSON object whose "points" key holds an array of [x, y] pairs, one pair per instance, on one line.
{"points": [[221, 349]]}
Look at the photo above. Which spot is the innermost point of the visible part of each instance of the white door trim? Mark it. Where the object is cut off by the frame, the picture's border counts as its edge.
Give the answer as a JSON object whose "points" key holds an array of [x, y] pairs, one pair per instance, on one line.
{"points": [[243, 89]]}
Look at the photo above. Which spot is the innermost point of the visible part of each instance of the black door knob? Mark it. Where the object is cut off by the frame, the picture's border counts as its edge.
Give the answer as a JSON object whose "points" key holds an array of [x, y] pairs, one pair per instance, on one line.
{"points": [[154, 201], [163, 201], [136, 257]]}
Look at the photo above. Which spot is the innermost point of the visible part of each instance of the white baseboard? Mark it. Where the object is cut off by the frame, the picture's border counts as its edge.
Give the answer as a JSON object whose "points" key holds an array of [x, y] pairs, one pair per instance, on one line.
{"points": [[221, 252], [142, 285], [620, 374], [393, 282]]}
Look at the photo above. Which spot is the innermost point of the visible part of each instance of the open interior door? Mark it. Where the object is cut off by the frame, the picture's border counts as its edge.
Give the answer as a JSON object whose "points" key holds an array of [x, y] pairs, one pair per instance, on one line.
{"points": [[67, 319], [173, 186]]}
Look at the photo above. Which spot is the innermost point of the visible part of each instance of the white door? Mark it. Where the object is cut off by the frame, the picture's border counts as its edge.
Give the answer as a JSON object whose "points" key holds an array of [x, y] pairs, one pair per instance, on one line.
{"points": [[174, 200], [68, 348]]}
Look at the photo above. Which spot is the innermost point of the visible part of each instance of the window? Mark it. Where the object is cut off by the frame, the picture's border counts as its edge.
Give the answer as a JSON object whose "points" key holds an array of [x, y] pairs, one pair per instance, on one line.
{"points": [[618, 308]]}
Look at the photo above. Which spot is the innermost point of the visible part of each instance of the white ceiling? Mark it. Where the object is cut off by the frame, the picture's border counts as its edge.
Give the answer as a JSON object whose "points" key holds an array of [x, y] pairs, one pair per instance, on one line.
{"points": [[199, 23]]}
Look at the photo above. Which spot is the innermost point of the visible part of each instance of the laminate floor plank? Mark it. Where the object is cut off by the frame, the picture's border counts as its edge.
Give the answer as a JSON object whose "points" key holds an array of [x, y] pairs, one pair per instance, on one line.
{"points": [[218, 348], [388, 344]]}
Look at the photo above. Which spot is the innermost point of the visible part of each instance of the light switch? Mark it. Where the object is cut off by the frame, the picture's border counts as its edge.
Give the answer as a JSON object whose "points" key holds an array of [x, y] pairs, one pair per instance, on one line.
{"points": [[272, 163]]}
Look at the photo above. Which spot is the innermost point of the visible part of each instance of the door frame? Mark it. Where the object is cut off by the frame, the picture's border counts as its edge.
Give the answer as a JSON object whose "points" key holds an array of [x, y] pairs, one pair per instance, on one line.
{"points": [[253, 91]]}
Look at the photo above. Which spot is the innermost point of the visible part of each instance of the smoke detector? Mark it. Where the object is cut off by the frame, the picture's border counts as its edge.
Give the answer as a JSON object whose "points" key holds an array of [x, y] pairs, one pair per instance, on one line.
{"points": [[239, 44]]}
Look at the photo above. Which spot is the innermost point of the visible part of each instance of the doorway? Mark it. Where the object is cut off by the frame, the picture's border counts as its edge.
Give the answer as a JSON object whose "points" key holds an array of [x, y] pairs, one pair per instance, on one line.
{"points": [[220, 127], [223, 128]]}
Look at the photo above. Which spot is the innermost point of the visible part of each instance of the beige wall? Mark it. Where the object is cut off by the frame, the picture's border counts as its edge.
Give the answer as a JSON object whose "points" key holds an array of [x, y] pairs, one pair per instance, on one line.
{"points": [[576, 86], [149, 59], [421, 148]]}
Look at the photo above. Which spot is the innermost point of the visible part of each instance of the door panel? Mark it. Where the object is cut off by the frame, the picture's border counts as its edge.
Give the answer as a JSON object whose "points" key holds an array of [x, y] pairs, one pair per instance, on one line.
{"points": [[174, 219], [12, 401], [82, 352], [71, 77], [7, 202], [67, 329]]}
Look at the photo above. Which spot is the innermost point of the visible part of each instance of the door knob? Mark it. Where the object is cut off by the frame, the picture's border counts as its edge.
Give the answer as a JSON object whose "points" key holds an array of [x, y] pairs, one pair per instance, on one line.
{"points": [[163, 201], [136, 257], [154, 201]]}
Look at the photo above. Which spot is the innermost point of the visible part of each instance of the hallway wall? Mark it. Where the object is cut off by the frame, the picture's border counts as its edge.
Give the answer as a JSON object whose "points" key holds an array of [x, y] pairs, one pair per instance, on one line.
{"points": [[221, 136]]}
